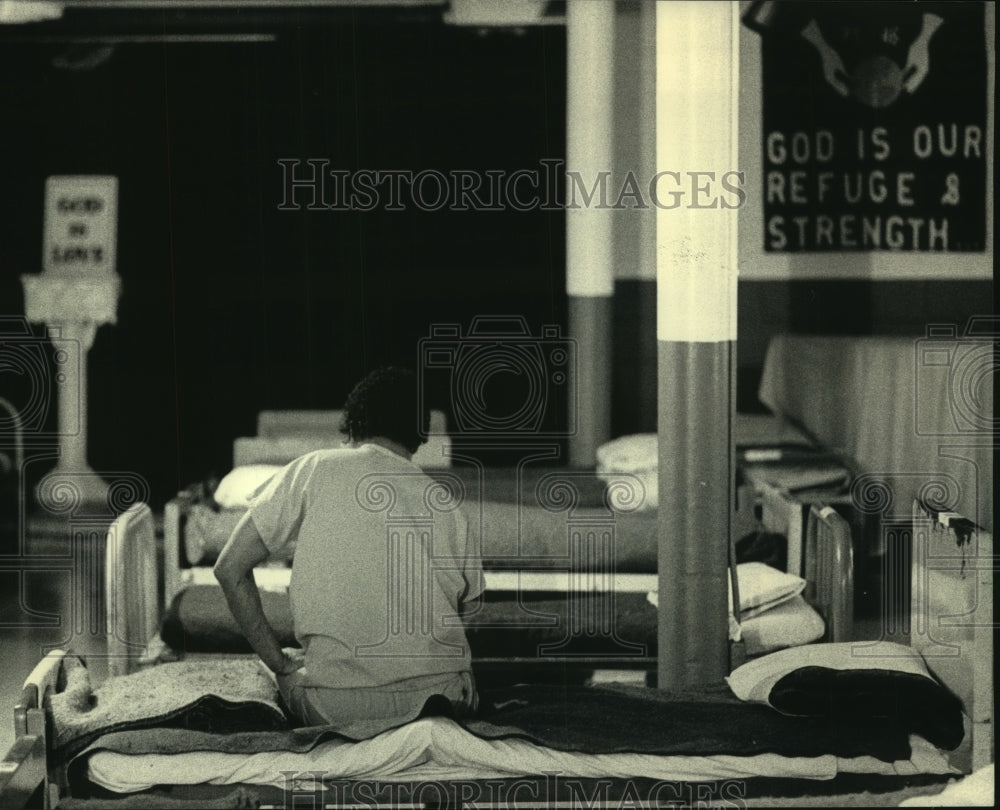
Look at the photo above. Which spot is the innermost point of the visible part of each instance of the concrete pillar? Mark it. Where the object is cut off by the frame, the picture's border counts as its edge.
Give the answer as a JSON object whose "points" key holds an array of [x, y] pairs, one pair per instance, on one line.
{"points": [[589, 268], [696, 131]]}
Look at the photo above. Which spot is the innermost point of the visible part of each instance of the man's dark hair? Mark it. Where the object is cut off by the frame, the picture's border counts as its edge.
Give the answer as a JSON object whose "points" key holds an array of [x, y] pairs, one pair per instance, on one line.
{"points": [[385, 403]]}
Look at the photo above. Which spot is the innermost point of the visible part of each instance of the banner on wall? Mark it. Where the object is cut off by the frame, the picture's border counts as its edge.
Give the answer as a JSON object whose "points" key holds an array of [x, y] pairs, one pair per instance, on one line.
{"points": [[874, 125]]}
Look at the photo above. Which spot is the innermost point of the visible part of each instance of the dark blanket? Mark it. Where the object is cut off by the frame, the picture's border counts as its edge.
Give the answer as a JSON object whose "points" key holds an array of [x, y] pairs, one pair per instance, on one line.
{"points": [[927, 708], [537, 626], [620, 718], [526, 516], [534, 626], [528, 485], [614, 719]]}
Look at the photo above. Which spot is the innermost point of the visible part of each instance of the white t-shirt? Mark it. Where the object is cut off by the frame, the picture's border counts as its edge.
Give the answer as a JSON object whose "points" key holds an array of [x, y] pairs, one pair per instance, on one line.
{"points": [[382, 561]]}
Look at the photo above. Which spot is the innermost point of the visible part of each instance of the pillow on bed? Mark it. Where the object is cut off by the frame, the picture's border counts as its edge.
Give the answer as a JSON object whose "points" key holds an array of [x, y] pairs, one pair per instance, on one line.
{"points": [[790, 624], [235, 490], [636, 455], [763, 587], [629, 454], [854, 681]]}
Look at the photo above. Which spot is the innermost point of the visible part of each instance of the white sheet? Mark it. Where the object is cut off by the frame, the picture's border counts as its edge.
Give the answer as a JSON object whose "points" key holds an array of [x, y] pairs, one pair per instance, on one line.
{"points": [[278, 577], [437, 748]]}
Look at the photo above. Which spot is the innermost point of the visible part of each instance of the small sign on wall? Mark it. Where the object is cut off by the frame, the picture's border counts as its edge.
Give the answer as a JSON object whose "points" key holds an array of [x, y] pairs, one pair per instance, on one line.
{"points": [[81, 224]]}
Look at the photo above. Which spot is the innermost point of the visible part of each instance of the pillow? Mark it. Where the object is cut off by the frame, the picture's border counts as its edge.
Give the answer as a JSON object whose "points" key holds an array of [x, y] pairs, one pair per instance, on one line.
{"points": [[854, 682], [637, 455], [763, 587], [790, 624], [235, 490], [629, 454]]}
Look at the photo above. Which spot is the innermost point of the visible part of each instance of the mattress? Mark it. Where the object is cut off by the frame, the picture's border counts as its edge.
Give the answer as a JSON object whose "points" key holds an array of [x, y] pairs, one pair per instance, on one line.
{"points": [[437, 750]]}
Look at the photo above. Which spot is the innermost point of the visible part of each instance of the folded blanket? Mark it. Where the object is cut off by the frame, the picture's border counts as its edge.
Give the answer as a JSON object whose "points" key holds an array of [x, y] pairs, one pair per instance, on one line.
{"points": [[220, 696], [632, 719]]}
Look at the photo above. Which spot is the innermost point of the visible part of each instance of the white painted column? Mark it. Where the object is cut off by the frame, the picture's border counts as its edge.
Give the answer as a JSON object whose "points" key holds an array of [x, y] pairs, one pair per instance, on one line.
{"points": [[647, 218], [73, 308], [647, 135], [696, 131], [589, 257]]}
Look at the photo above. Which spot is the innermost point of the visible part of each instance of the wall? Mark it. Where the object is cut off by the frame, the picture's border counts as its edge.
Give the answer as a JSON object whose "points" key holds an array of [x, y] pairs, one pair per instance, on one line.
{"points": [[230, 305]]}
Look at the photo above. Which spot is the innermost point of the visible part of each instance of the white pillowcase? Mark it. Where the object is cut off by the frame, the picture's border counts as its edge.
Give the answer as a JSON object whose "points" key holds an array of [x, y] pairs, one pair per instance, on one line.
{"points": [[239, 485], [754, 680], [790, 624], [762, 588], [636, 455]]}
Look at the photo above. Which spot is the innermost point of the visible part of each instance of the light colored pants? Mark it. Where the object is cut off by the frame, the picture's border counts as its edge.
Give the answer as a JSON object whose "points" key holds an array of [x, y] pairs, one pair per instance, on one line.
{"points": [[361, 713]]}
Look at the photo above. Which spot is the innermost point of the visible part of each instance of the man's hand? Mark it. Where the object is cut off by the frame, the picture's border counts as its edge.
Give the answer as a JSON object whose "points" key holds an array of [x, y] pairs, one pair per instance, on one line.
{"points": [[234, 570], [292, 660]]}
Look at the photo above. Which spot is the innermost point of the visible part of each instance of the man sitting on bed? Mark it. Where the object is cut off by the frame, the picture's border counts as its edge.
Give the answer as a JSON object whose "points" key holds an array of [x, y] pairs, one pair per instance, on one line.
{"points": [[371, 610]]}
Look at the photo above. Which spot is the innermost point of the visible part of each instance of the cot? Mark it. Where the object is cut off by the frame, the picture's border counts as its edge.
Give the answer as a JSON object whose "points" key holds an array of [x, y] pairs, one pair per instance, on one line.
{"points": [[538, 624], [519, 523], [538, 527], [588, 615], [764, 751], [466, 761]]}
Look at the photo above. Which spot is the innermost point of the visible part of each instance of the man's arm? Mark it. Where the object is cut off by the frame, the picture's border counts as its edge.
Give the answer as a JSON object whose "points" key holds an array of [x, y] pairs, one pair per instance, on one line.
{"points": [[470, 602], [234, 570]]}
